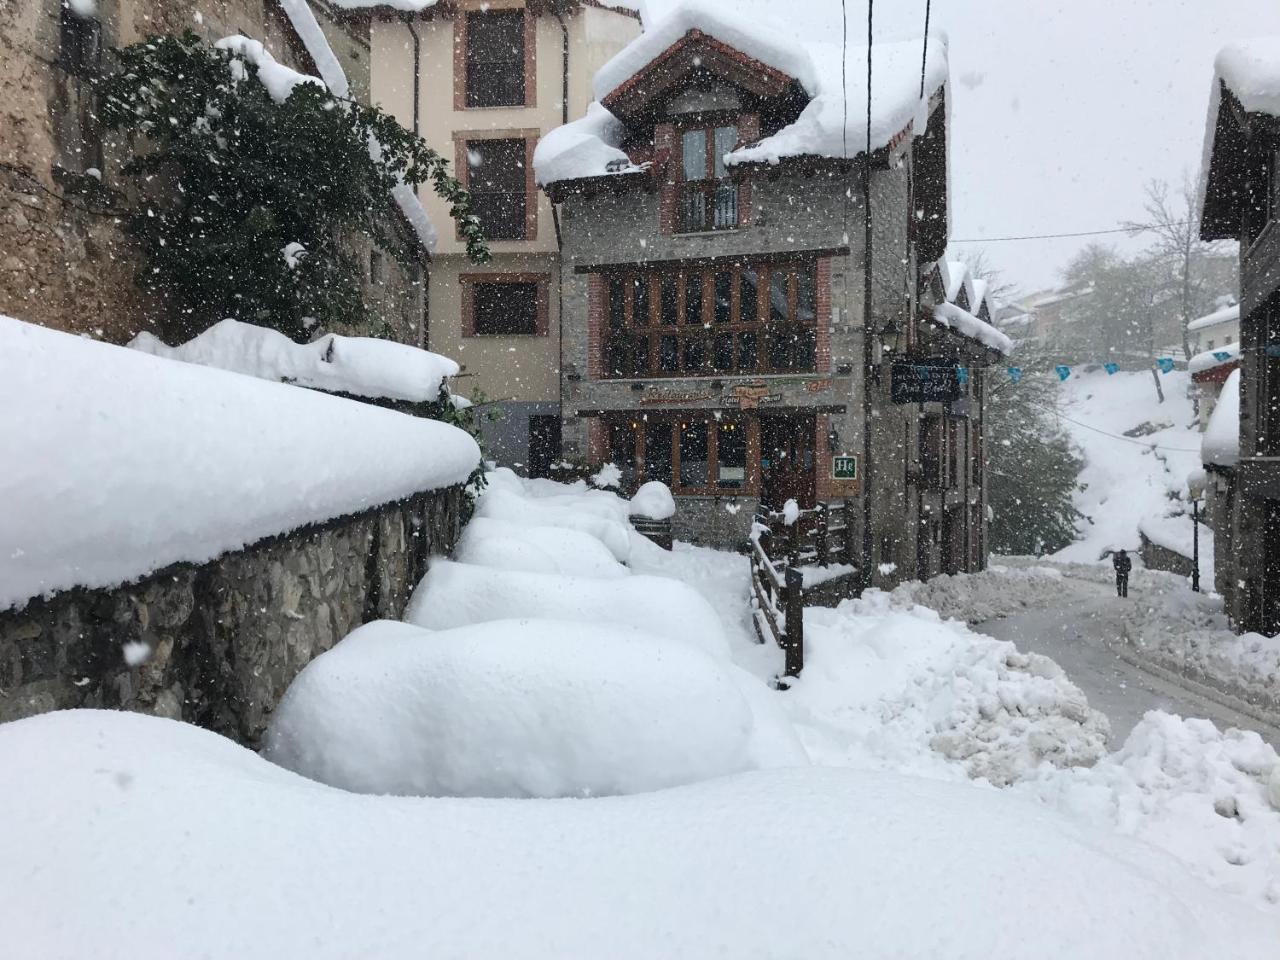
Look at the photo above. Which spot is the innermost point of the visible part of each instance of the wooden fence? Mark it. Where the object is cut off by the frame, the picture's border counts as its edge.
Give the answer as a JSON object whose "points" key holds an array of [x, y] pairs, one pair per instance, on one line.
{"points": [[779, 553]]}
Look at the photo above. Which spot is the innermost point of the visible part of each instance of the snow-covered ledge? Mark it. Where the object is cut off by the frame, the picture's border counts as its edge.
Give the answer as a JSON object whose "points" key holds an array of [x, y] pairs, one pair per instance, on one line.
{"points": [[182, 540]]}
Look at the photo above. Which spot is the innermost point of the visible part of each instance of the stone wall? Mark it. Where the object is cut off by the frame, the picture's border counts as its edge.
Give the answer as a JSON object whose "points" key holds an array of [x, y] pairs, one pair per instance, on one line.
{"points": [[227, 637]]}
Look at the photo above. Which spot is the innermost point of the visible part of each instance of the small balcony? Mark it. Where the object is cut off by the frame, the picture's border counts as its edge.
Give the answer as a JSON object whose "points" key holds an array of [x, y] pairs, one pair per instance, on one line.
{"points": [[708, 205]]}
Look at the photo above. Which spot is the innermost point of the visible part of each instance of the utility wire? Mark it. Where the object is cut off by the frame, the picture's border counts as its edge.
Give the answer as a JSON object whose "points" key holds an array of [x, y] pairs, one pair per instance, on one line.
{"points": [[924, 57], [1136, 228], [1113, 436]]}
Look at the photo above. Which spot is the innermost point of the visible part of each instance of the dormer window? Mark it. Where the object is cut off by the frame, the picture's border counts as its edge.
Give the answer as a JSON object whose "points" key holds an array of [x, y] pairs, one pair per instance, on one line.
{"points": [[708, 199]]}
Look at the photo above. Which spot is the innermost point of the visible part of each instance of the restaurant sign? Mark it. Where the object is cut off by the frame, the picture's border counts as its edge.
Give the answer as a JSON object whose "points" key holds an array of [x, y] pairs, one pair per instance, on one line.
{"points": [[928, 381]]}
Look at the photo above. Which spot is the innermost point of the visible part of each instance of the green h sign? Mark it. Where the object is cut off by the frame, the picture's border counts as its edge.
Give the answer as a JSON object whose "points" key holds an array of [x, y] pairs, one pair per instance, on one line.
{"points": [[844, 468]]}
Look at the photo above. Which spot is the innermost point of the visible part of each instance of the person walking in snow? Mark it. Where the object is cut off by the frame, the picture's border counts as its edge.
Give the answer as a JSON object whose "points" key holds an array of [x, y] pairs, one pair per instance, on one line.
{"points": [[1120, 560]]}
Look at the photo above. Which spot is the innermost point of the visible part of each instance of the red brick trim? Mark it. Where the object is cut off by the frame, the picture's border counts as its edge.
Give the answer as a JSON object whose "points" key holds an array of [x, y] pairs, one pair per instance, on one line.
{"points": [[823, 319], [824, 486], [469, 280], [462, 169], [595, 325], [460, 51], [748, 132], [666, 143]]}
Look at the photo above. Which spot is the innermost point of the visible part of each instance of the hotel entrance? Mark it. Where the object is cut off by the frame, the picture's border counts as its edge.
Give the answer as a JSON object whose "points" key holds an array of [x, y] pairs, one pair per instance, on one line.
{"points": [[787, 464]]}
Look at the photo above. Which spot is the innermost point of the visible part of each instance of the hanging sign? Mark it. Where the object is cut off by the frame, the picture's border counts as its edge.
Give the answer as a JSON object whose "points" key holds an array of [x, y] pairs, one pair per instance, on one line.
{"points": [[844, 468], [929, 382]]}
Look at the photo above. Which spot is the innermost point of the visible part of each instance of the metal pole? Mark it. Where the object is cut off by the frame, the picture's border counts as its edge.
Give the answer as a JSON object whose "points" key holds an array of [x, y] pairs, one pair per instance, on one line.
{"points": [[1195, 545]]}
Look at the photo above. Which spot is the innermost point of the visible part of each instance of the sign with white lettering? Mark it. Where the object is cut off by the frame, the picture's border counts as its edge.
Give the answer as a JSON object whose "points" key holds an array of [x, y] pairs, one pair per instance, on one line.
{"points": [[844, 468]]}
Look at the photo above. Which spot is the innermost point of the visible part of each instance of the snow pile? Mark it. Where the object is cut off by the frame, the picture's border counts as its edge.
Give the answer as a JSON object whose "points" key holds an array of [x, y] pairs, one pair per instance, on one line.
{"points": [[1217, 357], [512, 709], [891, 685], [608, 477], [508, 546], [1189, 788], [1227, 314], [278, 79], [964, 322], [653, 500], [122, 463], [1221, 443], [587, 147], [1137, 454], [1250, 69], [859, 864], [501, 503], [360, 366], [459, 594]]}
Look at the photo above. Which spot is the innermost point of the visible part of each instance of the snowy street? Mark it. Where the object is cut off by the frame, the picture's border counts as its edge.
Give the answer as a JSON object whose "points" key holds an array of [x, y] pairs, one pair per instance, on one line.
{"points": [[1076, 632]]}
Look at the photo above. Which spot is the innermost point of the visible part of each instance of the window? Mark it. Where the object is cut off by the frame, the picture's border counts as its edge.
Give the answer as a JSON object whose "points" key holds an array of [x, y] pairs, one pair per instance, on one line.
{"points": [[694, 453], [498, 181], [731, 448], [1209, 345], [710, 454], [708, 201], [544, 444], [495, 58], [708, 321], [501, 307], [657, 452]]}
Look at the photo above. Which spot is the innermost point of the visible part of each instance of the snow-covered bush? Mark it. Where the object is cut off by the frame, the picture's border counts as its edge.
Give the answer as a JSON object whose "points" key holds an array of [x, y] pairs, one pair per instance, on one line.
{"points": [[653, 500], [459, 594], [530, 708], [584, 514], [510, 546]]}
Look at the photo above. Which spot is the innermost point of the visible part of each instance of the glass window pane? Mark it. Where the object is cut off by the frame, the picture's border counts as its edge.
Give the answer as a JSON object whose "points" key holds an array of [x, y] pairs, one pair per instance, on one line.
{"points": [[731, 455], [748, 310], [495, 58], [695, 354], [693, 454], [694, 146], [724, 295], [657, 452], [748, 357], [622, 451], [640, 305], [668, 354], [726, 140], [693, 299], [640, 356], [505, 309], [722, 352], [806, 349], [496, 178], [726, 205], [780, 349], [778, 296], [617, 303], [807, 294], [670, 287]]}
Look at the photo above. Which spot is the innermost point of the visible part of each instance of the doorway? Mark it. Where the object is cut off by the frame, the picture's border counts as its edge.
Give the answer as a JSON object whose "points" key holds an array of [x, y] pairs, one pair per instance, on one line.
{"points": [[787, 467], [544, 444]]}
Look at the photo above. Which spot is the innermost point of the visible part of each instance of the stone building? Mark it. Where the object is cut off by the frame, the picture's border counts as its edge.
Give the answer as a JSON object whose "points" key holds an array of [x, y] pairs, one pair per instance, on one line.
{"points": [[64, 260], [1241, 201], [715, 327], [482, 81]]}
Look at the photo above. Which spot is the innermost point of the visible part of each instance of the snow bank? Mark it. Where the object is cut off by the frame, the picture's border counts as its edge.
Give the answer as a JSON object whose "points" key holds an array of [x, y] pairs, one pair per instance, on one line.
{"points": [[122, 463], [1189, 788], [1227, 314], [459, 594], [509, 546], [889, 684], [1228, 353], [360, 366], [587, 147], [949, 315], [503, 503], [530, 708], [653, 500], [248, 861], [1251, 70], [1221, 444]]}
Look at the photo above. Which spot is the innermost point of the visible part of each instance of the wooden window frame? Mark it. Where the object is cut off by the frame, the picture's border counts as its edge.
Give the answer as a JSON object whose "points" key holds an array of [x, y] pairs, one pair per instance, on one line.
{"points": [[706, 328], [468, 7], [709, 185], [643, 423], [542, 325], [461, 138]]}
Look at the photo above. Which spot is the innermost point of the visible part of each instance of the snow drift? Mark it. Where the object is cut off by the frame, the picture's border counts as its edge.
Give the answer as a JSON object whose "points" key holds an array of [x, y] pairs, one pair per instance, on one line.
{"points": [[509, 546]]}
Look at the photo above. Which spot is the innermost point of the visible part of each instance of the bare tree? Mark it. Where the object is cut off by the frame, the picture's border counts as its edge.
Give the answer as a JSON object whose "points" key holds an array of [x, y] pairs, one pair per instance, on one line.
{"points": [[999, 290]]}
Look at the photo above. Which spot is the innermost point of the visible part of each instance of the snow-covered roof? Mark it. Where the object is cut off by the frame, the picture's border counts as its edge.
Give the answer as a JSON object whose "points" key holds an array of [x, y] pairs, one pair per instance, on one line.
{"points": [[123, 463], [360, 366], [407, 6], [1217, 357], [949, 315], [1221, 443], [1229, 314], [824, 128], [1250, 69]]}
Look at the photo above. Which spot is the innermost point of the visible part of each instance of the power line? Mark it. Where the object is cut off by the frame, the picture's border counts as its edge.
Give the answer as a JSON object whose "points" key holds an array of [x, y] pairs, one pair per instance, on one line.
{"points": [[1113, 436], [1136, 228], [924, 57]]}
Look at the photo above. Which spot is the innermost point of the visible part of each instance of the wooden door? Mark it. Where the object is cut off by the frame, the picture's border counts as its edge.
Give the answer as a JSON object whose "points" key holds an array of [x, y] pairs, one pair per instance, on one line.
{"points": [[787, 465]]}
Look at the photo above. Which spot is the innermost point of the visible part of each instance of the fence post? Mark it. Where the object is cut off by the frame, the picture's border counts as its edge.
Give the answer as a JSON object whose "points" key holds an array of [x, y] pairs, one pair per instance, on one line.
{"points": [[824, 555], [795, 622], [848, 532]]}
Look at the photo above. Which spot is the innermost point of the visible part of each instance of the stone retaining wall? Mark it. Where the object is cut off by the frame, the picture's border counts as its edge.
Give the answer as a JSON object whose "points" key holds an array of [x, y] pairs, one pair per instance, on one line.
{"points": [[225, 638]]}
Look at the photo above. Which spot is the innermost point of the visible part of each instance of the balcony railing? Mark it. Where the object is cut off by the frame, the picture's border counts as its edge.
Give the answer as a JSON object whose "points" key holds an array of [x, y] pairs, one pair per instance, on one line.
{"points": [[708, 205]]}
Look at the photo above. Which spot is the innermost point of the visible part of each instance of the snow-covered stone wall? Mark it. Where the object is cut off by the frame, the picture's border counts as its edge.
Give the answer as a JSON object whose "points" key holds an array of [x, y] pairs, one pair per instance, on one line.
{"points": [[217, 644]]}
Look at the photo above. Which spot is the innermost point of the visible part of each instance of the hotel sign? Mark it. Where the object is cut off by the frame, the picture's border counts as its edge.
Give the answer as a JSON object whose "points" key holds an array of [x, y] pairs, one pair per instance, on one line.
{"points": [[930, 381], [844, 468]]}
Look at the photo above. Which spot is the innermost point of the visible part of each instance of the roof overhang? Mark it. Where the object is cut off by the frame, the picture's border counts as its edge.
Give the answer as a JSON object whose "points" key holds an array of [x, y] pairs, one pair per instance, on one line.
{"points": [[1224, 176], [695, 52]]}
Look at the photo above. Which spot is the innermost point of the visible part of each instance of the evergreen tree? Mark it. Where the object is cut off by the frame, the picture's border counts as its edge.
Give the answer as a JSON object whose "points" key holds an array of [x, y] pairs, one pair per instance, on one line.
{"points": [[244, 206]]}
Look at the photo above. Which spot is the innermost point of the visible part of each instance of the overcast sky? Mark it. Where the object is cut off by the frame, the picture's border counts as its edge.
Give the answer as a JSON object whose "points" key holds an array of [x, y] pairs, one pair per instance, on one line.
{"points": [[1062, 109]]}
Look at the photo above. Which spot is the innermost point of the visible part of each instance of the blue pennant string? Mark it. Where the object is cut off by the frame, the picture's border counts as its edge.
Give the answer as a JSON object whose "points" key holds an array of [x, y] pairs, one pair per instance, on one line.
{"points": [[1062, 370], [962, 375], [1222, 356], [1273, 350], [1111, 368], [1015, 374], [1165, 364]]}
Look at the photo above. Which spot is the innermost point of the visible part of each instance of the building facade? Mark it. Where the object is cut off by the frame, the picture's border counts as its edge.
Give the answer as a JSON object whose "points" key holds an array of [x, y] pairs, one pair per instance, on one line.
{"points": [[482, 81], [1241, 186], [715, 330]]}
